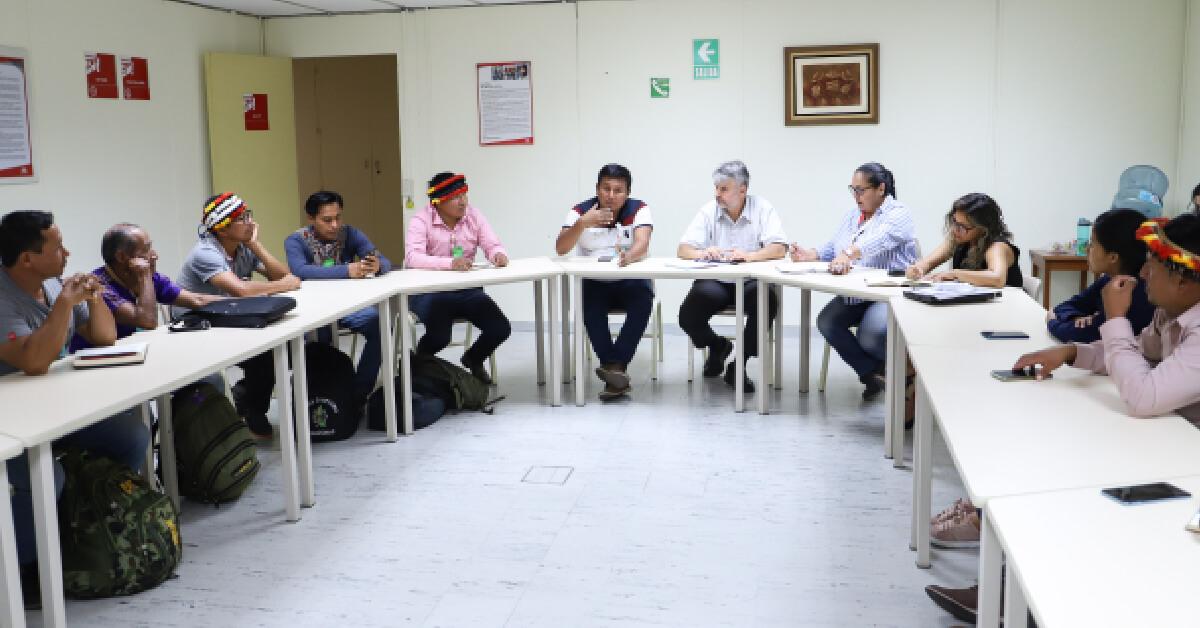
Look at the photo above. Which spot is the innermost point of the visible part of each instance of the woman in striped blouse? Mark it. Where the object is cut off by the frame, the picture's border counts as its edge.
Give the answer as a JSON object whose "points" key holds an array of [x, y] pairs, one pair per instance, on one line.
{"points": [[877, 233]]}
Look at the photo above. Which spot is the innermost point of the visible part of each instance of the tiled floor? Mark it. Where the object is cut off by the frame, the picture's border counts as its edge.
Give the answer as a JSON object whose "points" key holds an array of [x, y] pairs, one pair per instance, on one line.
{"points": [[676, 512]]}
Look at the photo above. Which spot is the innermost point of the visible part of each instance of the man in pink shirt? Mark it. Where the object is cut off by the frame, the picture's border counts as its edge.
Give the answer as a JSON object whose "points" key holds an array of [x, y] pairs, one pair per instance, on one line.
{"points": [[445, 236]]}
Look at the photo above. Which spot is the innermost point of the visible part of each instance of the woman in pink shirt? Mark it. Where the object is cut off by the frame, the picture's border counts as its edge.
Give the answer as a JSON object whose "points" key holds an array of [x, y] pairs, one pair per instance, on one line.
{"points": [[445, 236]]}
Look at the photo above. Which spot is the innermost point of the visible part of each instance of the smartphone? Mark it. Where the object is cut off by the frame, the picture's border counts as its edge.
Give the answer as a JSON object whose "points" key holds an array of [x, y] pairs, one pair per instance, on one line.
{"points": [[1004, 335], [1145, 493], [897, 272], [1014, 375], [604, 258]]}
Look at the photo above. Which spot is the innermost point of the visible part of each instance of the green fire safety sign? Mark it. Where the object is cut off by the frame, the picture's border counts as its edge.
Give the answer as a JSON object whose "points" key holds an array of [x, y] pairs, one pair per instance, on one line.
{"points": [[660, 88], [706, 59]]}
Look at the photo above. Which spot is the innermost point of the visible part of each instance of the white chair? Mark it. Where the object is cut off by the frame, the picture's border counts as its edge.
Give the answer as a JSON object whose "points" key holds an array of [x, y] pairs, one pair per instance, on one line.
{"points": [[1033, 287], [465, 342], [825, 362], [774, 340], [654, 331]]}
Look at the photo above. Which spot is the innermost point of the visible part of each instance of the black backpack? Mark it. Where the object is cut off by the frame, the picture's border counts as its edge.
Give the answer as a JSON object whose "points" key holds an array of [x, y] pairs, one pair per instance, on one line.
{"points": [[242, 311], [216, 455], [456, 387], [427, 409], [333, 412]]}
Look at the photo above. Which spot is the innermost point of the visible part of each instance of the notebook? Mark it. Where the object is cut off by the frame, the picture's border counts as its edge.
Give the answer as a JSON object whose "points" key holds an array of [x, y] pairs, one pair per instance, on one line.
{"points": [[129, 353], [951, 292]]}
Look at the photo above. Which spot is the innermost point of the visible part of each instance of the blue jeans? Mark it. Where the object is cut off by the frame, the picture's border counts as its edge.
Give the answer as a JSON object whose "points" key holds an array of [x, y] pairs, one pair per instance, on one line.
{"points": [[366, 323], [636, 297], [867, 353], [438, 310], [122, 437]]}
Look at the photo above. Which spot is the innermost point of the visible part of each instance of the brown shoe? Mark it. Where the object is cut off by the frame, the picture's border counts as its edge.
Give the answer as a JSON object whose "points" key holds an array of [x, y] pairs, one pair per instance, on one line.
{"points": [[614, 375], [611, 393], [963, 604]]}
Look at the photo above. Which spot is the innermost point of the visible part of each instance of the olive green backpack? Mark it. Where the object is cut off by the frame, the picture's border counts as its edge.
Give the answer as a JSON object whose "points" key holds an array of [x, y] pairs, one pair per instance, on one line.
{"points": [[119, 535], [215, 453]]}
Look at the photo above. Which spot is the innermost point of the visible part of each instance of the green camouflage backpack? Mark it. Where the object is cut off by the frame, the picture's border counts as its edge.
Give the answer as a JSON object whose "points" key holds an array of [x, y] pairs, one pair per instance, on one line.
{"points": [[457, 387], [119, 535], [215, 454]]}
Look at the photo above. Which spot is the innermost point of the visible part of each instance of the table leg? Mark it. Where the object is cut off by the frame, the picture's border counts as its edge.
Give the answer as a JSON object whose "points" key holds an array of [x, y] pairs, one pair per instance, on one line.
{"points": [[166, 450], [148, 421], [1016, 611], [577, 345], [777, 352], [287, 434], [922, 472], [538, 339], [764, 354], [991, 559], [556, 376], [12, 609], [566, 329], [308, 492], [49, 550], [889, 368], [405, 411], [739, 367], [805, 336]]}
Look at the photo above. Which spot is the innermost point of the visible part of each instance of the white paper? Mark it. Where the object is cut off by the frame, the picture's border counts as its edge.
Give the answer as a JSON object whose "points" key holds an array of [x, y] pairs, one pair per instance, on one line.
{"points": [[950, 289], [689, 264], [15, 148], [800, 268], [505, 103]]}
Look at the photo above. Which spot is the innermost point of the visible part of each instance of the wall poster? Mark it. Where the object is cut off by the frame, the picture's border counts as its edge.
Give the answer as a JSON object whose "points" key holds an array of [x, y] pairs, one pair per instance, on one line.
{"points": [[16, 147], [505, 103]]}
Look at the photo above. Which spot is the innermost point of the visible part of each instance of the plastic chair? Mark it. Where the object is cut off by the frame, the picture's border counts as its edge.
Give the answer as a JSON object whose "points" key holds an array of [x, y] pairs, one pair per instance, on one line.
{"points": [[774, 341], [1032, 286]]}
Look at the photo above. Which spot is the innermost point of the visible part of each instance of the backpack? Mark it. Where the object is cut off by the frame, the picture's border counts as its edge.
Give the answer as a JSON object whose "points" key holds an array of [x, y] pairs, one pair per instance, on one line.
{"points": [[119, 535], [458, 388], [333, 412], [243, 311], [216, 454], [427, 409]]}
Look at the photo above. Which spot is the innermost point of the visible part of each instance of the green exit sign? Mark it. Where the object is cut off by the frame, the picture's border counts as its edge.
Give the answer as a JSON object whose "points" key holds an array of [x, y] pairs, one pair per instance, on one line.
{"points": [[706, 59], [660, 88]]}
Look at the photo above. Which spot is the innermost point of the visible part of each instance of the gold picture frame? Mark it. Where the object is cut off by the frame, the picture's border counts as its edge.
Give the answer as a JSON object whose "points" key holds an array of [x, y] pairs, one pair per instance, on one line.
{"points": [[831, 84]]}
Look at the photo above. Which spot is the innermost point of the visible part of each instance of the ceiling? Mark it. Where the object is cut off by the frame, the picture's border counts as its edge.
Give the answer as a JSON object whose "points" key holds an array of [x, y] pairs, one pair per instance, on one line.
{"points": [[280, 8]]}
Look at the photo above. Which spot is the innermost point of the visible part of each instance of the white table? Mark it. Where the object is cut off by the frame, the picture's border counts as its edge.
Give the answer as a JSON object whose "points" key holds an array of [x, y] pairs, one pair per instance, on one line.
{"points": [[1015, 438], [1081, 559], [853, 284], [664, 268], [12, 608], [409, 282]]}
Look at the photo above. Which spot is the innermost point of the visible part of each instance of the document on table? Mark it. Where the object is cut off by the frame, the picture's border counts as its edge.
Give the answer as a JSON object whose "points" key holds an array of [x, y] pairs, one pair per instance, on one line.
{"points": [[801, 268], [690, 263], [951, 289]]}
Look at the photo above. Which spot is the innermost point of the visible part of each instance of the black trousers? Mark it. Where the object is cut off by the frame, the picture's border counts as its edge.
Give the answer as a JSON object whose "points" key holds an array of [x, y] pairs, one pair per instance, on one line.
{"points": [[252, 393], [438, 310], [708, 297]]}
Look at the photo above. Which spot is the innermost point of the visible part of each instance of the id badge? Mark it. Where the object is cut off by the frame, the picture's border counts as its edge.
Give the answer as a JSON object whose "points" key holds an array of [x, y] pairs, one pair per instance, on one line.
{"points": [[625, 236]]}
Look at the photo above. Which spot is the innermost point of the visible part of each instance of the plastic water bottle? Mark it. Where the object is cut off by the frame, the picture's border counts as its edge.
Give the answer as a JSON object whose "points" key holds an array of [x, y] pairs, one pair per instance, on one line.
{"points": [[1083, 233]]}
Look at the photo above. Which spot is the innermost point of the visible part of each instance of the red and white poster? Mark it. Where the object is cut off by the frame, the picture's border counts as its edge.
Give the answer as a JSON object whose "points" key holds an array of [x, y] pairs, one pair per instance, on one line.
{"points": [[255, 108], [135, 78], [505, 103], [16, 149], [101, 73]]}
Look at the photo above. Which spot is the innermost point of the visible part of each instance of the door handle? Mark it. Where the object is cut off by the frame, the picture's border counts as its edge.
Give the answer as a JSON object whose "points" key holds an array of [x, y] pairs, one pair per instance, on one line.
{"points": [[377, 170]]}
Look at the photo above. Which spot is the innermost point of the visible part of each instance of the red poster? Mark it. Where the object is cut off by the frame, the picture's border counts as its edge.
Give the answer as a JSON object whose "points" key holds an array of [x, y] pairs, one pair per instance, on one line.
{"points": [[135, 78], [255, 108], [101, 69]]}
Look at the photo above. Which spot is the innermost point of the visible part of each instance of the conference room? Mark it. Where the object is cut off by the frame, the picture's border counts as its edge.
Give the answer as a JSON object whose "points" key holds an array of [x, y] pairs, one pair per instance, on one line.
{"points": [[731, 297]]}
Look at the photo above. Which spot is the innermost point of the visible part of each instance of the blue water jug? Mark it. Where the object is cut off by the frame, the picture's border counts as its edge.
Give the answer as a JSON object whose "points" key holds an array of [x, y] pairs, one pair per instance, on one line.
{"points": [[1083, 233]]}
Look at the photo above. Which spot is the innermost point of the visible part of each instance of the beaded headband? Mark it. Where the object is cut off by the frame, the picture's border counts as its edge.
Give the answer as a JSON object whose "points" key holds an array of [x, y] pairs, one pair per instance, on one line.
{"points": [[1173, 256], [223, 209], [449, 188]]}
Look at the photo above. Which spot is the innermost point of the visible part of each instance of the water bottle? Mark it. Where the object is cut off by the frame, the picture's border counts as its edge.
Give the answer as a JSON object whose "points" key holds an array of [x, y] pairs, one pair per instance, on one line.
{"points": [[1083, 233]]}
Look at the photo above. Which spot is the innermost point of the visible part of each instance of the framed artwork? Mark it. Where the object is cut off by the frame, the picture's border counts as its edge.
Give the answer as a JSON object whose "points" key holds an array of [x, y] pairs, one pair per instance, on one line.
{"points": [[831, 84]]}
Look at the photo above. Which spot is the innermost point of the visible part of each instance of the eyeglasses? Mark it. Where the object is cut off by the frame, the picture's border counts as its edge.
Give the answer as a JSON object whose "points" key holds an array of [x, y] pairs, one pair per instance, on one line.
{"points": [[857, 191], [245, 216], [959, 227]]}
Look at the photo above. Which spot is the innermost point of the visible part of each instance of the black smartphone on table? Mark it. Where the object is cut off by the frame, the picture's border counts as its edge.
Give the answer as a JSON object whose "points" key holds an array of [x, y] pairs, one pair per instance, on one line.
{"points": [[1145, 493], [1017, 375], [1004, 335]]}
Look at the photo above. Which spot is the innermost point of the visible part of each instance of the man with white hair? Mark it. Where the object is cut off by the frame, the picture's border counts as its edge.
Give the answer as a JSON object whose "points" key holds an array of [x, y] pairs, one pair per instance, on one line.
{"points": [[733, 227]]}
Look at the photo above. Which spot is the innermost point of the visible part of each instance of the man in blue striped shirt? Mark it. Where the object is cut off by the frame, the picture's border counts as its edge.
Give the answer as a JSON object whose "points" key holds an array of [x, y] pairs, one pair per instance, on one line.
{"points": [[877, 233]]}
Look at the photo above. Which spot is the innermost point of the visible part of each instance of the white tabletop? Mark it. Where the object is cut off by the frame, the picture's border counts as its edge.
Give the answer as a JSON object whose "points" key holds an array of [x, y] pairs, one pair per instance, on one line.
{"points": [[1087, 560], [656, 268], [416, 280], [955, 325], [852, 284], [1073, 430], [10, 447]]}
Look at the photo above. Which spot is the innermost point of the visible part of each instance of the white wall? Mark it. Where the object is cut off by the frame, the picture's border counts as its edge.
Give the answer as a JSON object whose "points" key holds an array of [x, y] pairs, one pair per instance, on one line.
{"points": [[1040, 104], [105, 161]]}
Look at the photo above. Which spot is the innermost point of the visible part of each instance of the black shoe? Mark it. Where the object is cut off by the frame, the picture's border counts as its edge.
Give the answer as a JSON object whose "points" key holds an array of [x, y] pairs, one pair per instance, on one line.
{"points": [[731, 378], [961, 603], [614, 375], [259, 426], [874, 384], [31, 588], [716, 358], [476, 368]]}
